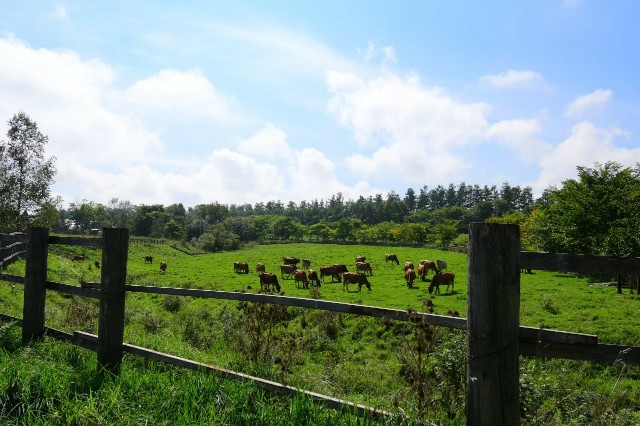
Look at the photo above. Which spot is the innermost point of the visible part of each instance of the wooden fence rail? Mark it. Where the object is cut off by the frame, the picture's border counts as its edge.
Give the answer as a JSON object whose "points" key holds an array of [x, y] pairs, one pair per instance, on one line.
{"points": [[495, 338]]}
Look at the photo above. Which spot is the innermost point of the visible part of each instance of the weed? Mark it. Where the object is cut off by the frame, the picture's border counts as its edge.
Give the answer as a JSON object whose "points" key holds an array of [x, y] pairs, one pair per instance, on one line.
{"points": [[414, 356], [82, 313], [256, 328], [152, 323], [172, 303], [547, 304]]}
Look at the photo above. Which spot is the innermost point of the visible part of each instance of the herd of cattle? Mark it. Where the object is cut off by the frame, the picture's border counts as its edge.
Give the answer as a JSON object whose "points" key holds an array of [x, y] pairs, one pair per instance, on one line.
{"points": [[306, 276]]}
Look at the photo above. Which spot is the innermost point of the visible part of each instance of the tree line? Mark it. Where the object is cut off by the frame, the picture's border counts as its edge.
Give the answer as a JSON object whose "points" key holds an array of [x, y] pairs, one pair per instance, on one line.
{"points": [[593, 214]]}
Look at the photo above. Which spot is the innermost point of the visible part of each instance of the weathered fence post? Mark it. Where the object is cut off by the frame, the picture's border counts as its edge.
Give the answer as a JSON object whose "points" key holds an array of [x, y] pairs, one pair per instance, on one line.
{"points": [[115, 246], [493, 325], [35, 291]]}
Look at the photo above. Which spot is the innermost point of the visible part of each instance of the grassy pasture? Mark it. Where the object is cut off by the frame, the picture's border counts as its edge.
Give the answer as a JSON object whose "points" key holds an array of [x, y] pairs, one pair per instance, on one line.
{"points": [[346, 356]]}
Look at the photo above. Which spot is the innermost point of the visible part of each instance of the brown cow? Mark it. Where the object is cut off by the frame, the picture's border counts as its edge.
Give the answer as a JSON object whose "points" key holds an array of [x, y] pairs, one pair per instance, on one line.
{"points": [[429, 264], [391, 257], [364, 267], [408, 265], [306, 263], [360, 259], [300, 275], [354, 278], [163, 267], [78, 258], [268, 279], [287, 269], [329, 271], [97, 264], [313, 277], [290, 260], [442, 278], [148, 259], [422, 271], [410, 277], [241, 267], [260, 268]]}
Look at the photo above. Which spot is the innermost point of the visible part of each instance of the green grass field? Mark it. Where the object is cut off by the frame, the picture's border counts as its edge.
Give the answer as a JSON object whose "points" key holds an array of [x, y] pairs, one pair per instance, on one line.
{"points": [[359, 359]]}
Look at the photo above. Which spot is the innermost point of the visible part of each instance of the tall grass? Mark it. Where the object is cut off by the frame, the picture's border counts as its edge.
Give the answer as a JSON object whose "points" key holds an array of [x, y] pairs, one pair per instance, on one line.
{"points": [[364, 360]]}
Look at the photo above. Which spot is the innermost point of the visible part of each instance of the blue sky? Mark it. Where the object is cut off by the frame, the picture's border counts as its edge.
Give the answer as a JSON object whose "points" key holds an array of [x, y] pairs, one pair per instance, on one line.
{"points": [[240, 102]]}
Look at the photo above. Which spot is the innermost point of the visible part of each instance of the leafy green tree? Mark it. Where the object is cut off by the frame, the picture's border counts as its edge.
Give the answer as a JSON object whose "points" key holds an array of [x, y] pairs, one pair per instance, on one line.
{"points": [[218, 238], [447, 231], [173, 231], [597, 213], [25, 174]]}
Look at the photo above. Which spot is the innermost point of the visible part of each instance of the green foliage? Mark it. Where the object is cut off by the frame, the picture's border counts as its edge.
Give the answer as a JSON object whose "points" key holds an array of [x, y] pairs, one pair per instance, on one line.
{"points": [[218, 238], [595, 214], [25, 174]]}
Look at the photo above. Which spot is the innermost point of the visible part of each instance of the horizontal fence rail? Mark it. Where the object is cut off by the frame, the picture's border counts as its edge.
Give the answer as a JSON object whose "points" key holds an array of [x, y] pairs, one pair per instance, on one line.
{"points": [[111, 290], [580, 263]]}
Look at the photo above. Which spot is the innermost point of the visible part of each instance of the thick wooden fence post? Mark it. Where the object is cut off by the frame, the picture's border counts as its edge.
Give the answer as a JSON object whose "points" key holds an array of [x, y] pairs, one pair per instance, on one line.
{"points": [[35, 291], [115, 246], [493, 325]]}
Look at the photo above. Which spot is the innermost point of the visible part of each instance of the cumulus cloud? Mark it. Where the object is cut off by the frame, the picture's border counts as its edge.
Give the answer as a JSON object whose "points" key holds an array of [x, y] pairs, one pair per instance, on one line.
{"points": [[596, 99], [586, 144], [178, 93], [105, 148], [417, 131], [65, 95], [511, 79], [522, 136]]}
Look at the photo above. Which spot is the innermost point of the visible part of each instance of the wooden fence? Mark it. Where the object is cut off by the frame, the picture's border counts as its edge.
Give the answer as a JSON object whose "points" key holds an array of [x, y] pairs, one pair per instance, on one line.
{"points": [[12, 248], [495, 338]]}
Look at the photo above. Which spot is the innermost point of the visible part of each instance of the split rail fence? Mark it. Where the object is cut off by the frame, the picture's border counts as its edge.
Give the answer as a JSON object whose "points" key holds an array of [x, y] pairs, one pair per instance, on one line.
{"points": [[495, 337]]}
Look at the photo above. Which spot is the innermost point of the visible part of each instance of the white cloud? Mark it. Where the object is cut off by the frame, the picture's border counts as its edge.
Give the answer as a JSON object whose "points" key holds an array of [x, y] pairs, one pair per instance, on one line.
{"points": [[66, 96], [418, 130], [522, 136], [59, 12], [512, 79], [586, 145], [582, 104], [386, 53], [178, 93], [104, 149]]}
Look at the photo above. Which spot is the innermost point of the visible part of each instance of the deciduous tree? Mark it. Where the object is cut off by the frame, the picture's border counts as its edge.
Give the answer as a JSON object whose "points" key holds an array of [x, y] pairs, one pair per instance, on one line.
{"points": [[25, 174]]}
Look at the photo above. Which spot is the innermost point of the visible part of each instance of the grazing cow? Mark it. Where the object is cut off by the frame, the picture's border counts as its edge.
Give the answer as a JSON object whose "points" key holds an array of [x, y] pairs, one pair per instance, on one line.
{"points": [[525, 270], [306, 263], [340, 269], [429, 264], [442, 278], [79, 258], [313, 277], [287, 269], [391, 257], [148, 259], [422, 271], [408, 265], [330, 271], [410, 277], [260, 268], [241, 267], [364, 267], [163, 267], [268, 279], [290, 260], [97, 263], [360, 259], [441, 264], [300, 275], [354, 278]]}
